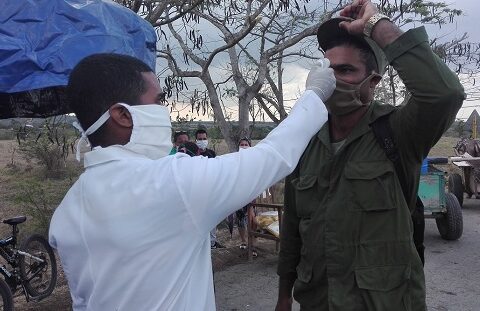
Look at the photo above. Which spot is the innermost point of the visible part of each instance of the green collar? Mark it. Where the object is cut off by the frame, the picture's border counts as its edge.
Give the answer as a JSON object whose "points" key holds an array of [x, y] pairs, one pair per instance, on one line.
{"points": [[375, 110]]}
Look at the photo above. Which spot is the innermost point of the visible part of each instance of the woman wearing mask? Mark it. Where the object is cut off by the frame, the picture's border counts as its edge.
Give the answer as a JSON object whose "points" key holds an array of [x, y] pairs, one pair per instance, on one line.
{"points": [[242, 214]]}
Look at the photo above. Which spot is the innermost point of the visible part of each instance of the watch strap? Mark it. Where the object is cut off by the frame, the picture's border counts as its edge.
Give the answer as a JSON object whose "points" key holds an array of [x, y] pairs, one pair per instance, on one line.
{"points": [[372, 21]]}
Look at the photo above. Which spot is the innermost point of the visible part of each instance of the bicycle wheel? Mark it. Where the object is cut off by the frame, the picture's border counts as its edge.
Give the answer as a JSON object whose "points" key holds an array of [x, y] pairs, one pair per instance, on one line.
{"points": [[6, 299], [39, 279]]}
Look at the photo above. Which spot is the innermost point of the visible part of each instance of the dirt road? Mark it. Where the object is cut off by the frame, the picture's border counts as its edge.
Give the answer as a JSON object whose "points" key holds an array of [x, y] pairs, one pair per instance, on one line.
{"points": [[452, 273]]}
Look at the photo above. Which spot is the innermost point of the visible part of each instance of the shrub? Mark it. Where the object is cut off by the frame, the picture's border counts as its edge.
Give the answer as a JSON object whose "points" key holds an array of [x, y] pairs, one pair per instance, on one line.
{"points": [[49, 145], [38, 199]]}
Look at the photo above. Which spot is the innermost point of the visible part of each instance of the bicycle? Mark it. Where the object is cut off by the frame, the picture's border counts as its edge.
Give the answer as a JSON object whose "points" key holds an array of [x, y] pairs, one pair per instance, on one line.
{"points": [[33, 266]]}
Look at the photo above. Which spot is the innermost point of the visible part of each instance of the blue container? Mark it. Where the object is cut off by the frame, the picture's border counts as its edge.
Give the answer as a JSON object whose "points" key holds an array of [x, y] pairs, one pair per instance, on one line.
{"points": [[424, 169]]}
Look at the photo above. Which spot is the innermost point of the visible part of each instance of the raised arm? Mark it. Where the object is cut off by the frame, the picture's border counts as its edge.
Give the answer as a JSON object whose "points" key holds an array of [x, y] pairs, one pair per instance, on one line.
{"points": [[436, 93]]}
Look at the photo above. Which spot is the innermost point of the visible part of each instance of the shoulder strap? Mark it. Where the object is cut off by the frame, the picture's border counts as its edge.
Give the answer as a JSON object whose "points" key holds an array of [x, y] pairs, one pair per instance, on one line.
{"points": [[384, 135]]}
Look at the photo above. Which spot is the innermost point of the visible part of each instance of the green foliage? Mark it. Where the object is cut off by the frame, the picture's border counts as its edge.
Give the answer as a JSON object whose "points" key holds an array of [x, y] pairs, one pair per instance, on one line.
{"points": [[460, 127], [260, 132], [49, 145], [215, 133]]}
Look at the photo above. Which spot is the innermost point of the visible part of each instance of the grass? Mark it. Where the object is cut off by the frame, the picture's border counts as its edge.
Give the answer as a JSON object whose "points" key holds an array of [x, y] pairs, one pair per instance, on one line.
{"points": [[444, 147], [24, 190]]}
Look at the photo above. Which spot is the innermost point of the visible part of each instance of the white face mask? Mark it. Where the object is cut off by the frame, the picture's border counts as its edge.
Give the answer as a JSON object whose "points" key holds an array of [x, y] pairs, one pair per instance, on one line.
{"points": [[202, 144], [151, 131]]}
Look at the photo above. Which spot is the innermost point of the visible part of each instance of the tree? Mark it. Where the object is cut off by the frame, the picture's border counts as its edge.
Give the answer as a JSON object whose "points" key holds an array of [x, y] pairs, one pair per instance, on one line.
{"points": [[162, 12], [460, 127], [254, 36], [239, 50], [461, 55]]}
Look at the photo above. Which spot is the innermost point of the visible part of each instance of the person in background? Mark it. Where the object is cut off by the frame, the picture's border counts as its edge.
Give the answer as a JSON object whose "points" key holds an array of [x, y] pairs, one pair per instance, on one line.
{"points": [[242, 214], [179, 138], [347, 233], [189, 148], [201, 139]]}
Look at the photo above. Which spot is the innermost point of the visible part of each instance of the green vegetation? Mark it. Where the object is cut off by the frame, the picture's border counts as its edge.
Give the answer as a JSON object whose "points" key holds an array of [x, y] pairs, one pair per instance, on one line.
{"points": [[49, 145], [36, 185]]}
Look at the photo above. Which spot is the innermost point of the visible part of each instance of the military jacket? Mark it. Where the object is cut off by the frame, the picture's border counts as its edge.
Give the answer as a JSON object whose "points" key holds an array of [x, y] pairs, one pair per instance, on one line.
{"points": [[347, 232]]}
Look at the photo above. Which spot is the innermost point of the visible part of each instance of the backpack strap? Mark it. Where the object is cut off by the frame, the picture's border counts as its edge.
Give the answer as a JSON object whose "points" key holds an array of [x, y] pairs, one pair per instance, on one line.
{"points": [[384, 135]]}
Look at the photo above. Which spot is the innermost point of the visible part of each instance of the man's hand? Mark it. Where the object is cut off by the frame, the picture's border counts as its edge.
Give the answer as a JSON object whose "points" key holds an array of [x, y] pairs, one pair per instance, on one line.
{"points": [[285, 286], [284, 305], [360, 11], [321, 79]]}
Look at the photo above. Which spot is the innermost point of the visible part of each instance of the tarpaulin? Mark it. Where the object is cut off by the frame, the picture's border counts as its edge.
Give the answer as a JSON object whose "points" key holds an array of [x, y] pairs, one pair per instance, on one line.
{"points": [[42, 40]]}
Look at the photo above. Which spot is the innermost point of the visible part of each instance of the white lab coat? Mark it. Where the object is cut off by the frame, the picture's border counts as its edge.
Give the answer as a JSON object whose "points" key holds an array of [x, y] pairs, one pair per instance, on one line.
{"points": [[132, 233]]}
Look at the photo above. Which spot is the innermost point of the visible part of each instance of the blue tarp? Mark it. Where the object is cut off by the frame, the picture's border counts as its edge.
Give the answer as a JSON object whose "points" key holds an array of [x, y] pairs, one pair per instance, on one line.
{"points": [[42, 40]]}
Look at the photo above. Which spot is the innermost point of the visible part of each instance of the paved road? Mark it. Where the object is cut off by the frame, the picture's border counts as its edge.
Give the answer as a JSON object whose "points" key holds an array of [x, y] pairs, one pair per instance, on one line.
{"points": [[453, 267], [452, 273]]}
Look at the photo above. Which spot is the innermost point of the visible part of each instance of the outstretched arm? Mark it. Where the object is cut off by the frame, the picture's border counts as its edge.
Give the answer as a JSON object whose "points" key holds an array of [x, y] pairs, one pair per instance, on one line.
{"points": [[214, 188]]}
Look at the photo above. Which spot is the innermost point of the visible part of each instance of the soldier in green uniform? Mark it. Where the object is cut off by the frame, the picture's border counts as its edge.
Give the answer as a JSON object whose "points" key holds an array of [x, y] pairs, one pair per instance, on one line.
{"points": [[346, 241]]}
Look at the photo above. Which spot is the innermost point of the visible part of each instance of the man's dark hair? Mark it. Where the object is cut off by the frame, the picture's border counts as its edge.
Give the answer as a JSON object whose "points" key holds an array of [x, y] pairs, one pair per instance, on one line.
{"points": [[177, 134], [200, 131], [101, 80], [365, 50], [249, 142], [190, 148]]}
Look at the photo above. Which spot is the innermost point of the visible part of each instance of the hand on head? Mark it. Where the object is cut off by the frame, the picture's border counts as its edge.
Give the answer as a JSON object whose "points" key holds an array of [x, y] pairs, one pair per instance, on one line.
{"points": [[360, 11]]}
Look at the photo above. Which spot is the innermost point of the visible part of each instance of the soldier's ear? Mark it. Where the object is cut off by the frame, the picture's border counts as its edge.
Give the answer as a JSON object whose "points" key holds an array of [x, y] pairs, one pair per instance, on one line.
{"points": [[375, 80]]}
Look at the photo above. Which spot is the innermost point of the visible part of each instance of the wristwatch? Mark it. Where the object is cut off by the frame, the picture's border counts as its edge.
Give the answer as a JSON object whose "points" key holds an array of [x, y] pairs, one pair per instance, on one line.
{"points": [[372, 21]]}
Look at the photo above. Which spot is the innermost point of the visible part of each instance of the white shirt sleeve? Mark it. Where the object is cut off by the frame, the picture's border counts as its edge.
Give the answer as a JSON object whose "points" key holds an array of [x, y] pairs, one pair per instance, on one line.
{"points": [[214, 188]]}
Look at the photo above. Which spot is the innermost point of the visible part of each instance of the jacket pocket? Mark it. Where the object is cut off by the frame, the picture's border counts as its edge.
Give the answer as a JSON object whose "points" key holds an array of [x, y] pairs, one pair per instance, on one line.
{"points": [[306, 194], [382, 279], [385, 287], [371, 184]]}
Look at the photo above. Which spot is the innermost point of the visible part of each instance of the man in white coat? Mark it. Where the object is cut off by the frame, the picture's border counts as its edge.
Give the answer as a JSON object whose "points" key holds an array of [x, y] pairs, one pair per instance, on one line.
{"points": [[133, 232]]}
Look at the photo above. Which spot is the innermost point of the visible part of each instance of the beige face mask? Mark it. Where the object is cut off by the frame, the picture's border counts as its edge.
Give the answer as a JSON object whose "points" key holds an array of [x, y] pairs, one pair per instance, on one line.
{"points": [[346, 97]]}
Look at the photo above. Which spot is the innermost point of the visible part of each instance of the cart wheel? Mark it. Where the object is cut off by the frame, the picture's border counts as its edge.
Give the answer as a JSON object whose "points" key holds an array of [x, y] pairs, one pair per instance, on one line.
{"points": [[450, 225], [455, 186]]}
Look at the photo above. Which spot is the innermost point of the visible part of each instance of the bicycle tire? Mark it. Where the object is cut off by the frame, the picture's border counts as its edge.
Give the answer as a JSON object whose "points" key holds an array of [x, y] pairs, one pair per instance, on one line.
{"points": [[38, 246], [6, 302]]}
